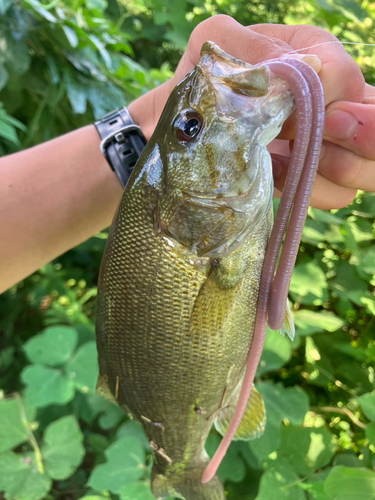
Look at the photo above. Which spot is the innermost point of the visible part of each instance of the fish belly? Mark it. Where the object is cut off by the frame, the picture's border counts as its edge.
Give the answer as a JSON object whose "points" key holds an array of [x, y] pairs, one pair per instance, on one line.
{"points": [[173, 331]]}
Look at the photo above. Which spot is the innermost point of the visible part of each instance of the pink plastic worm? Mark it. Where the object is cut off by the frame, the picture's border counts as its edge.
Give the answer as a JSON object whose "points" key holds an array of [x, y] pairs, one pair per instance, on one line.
{"points": [[293, 207]]}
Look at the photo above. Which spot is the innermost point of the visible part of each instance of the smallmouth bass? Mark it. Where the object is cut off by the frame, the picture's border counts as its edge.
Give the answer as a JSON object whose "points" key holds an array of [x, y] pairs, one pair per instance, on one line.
{"points": [[180, 276]]}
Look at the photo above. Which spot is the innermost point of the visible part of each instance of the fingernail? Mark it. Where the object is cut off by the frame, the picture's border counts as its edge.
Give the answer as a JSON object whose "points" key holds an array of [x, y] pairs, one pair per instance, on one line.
{"points": [[340, 125], [310, 59]]}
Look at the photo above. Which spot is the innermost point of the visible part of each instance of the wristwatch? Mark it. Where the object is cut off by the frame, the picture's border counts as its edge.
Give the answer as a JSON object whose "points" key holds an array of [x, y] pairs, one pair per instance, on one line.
{"points": [[122, 142]]}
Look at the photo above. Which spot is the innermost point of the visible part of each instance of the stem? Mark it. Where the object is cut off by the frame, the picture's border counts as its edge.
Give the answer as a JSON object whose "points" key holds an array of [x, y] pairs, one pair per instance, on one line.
{"points": [[30, 435], [343, 411]]}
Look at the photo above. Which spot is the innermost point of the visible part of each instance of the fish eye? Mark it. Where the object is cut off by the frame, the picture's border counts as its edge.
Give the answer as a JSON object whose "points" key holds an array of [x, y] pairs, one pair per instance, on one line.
{"points": [[187, 125]]}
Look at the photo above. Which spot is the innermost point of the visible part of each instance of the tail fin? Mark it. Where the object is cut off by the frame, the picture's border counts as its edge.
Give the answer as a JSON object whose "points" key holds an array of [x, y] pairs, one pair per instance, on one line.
{"points": [[186, 486]]}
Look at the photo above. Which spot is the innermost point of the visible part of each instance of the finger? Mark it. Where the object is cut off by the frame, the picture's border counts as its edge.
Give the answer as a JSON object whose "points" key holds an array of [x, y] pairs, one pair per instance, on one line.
{"points": [[351, 126], [346, 169], [235, 39], [341, 77], [369, 94], [326, 194]]}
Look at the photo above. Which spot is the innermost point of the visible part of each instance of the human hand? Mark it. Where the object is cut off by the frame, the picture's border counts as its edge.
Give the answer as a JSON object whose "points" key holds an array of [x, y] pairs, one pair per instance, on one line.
{"points": [[347, 160], [346, 164]]}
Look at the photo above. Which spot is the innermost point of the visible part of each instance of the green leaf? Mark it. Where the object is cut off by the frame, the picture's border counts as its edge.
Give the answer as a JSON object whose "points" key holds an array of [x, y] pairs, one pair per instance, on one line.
{"points": [[306, 448], [291, 403], [45, 386], [136, 491], [8, 132], [71, 35], [53, 346], [308, 322], [4, 117], [313, 232], [134, 429], [367, 263], [325, 216], [351, 9], [367, 403], [316, 490], [348, 459], [279, 483], [345, 483], [125, 463], [20, 479], [18, 60], [76, 95], [62, 450], [13, 429], [309, 284], [91, 405], [370, 433], [83, 368], [276, 352], [97, 4], [102, 50], [232, 466], [369, 302]]}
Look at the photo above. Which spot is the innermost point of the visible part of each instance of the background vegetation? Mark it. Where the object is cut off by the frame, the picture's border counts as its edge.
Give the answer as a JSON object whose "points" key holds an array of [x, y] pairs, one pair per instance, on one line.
{"points": [[64, 63]]}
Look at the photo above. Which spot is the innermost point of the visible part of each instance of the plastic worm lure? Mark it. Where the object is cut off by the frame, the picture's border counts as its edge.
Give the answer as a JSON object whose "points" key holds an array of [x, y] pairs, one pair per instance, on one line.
{"points": [[289, 221]]}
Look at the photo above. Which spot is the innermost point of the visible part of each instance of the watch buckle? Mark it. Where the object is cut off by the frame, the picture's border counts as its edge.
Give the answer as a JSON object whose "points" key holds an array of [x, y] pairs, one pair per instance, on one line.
{"points": [[118, 136]]}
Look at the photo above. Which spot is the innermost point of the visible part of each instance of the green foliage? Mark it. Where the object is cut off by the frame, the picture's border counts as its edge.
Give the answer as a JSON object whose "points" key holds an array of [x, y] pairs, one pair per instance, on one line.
{"points": [[42, 350], [61, 65], [343, 483], [62, 449], [125, 463], [12, 429], [20, 478]]}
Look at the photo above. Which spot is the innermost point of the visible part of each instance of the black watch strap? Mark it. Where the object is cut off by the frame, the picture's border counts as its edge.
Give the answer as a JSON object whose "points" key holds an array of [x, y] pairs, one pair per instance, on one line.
{"points": [[122, 142]]}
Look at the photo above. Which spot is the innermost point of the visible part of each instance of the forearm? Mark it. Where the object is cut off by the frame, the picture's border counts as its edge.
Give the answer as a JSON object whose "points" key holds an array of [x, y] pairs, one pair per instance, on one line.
{"points": [[58, 194], [53, 197]]}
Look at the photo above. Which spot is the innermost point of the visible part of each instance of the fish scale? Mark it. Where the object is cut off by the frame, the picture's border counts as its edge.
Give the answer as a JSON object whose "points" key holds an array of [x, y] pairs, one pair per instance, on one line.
{"points": [[188, 339]]}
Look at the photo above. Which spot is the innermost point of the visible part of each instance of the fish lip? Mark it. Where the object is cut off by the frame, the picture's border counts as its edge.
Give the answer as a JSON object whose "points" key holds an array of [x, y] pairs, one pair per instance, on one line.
{"points": [[257, 83]]}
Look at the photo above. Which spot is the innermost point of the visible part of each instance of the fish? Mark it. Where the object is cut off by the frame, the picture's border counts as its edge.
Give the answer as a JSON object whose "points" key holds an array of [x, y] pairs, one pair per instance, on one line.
{"points": [[179, 280]]}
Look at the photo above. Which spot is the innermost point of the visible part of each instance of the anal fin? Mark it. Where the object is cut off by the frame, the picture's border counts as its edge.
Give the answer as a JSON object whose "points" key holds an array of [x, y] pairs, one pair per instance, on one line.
{"points": [[253, 421]]}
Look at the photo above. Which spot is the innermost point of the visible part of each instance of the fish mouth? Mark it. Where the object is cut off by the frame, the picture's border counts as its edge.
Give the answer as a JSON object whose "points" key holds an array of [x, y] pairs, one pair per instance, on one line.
{"points": [[242, 88]]}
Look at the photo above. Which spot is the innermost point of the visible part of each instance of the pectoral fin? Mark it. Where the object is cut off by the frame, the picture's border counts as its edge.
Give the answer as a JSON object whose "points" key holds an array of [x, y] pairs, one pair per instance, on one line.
{"points": [[288, 325], [253, 421]]}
